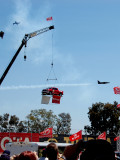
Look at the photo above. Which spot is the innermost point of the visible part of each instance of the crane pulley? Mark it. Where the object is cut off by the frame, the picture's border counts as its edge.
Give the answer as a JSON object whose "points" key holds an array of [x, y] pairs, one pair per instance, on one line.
{"points": [[24, 43]]}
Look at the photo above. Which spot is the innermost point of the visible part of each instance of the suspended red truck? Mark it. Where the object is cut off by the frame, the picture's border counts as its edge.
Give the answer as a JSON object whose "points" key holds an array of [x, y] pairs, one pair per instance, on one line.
{"points": [[52, 91]]}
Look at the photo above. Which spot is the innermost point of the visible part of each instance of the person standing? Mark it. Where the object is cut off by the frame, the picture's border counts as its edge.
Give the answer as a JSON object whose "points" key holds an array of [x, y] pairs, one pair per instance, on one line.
{"points": [[52, 151], [43, 155]]}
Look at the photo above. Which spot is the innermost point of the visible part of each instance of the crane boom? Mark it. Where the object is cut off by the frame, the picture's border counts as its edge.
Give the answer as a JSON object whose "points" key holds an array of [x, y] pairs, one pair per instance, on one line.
{"points": [[24, 42], [30, 35]]}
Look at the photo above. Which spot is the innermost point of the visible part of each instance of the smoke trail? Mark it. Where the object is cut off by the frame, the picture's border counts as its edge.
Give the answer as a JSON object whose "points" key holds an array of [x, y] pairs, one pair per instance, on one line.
{"points": [[41, 86]]}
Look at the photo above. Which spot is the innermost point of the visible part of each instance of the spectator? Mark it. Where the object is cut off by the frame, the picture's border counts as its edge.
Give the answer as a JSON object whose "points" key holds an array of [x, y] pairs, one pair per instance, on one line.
{"points": [[6, 152], [28, 155], [91, 150], [72, 152], [59, 156], [14, 157], [52, 151], [98, 150], [43, 155], [5, 155]]}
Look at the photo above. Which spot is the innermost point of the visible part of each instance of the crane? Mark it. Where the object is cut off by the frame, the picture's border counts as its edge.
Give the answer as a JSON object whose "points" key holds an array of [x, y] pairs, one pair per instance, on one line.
{"points": [[24, 43]]}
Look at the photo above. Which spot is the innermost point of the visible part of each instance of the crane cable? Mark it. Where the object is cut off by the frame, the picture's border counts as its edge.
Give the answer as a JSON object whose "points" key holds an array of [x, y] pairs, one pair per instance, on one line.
{"points": [[52, 69]]}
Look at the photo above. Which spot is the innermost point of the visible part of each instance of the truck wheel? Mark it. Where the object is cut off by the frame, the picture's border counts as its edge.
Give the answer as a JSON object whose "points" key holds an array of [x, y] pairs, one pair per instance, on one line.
{"points": [[60, 94]]}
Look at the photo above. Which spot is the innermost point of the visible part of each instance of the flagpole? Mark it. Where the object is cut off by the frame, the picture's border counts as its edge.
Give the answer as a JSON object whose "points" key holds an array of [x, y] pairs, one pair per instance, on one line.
{"points": [[118, 141], [86, 135]]}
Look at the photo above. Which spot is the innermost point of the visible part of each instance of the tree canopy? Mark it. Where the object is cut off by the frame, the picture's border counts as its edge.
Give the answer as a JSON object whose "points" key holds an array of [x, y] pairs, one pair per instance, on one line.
{"points": [[37, 121], [10, 123], [103, 117], [63, 123]]}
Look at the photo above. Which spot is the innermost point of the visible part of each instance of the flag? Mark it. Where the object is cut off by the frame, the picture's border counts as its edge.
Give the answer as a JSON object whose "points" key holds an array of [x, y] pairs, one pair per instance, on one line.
{"points": [[76, 136], [49, 18], [56, 99], [118, 106], [102, 136], [116, 90], [46, 133], [116, 138]]}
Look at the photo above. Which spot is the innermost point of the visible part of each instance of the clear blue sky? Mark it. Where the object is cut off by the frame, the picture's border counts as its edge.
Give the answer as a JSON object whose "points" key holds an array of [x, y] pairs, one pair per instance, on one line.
{"points": [[85, 45]]}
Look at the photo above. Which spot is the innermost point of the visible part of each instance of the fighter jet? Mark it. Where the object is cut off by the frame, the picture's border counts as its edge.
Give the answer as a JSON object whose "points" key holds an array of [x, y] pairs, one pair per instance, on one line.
{"points": [[1, 34], [102, 82], [16, 22]]}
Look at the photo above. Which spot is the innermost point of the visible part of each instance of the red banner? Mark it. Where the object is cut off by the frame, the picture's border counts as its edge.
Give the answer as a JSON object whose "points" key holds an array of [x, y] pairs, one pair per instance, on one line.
{"points": [[116, 138], [116, 90], [102, 136], [56, 99], [46, 133], [118, 106], [76, 136], [16, 137]]}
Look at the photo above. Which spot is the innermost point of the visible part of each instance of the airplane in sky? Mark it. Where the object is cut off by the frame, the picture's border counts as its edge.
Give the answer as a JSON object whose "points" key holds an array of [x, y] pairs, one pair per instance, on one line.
{"points": [[102, 82], [16, 23], [1, 34]]}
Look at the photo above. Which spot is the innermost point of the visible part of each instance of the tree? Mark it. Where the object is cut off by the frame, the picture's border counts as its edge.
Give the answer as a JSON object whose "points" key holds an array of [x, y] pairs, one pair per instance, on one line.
{"points": [[13, 123], [63, 123], [21, 127], [10, 124], [103, 117], [39, 120], [4, 122]]}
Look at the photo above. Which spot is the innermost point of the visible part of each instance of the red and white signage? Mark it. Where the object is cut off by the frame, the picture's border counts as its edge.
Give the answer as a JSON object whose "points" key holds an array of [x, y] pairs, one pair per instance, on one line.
{"points": [[46, 133], [102, 136], [76, 136], [16, 137], [22, 137], [116, 90], [116, 138], [118, 106], [56, 99]]}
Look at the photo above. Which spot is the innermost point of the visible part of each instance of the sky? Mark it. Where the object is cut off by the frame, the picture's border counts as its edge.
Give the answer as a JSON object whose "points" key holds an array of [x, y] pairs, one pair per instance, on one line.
{"points": [[84, 47]]}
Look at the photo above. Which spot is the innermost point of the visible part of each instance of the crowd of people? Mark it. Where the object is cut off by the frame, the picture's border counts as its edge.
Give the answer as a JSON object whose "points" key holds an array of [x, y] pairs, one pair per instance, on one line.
{"points": [[90, 150]]}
